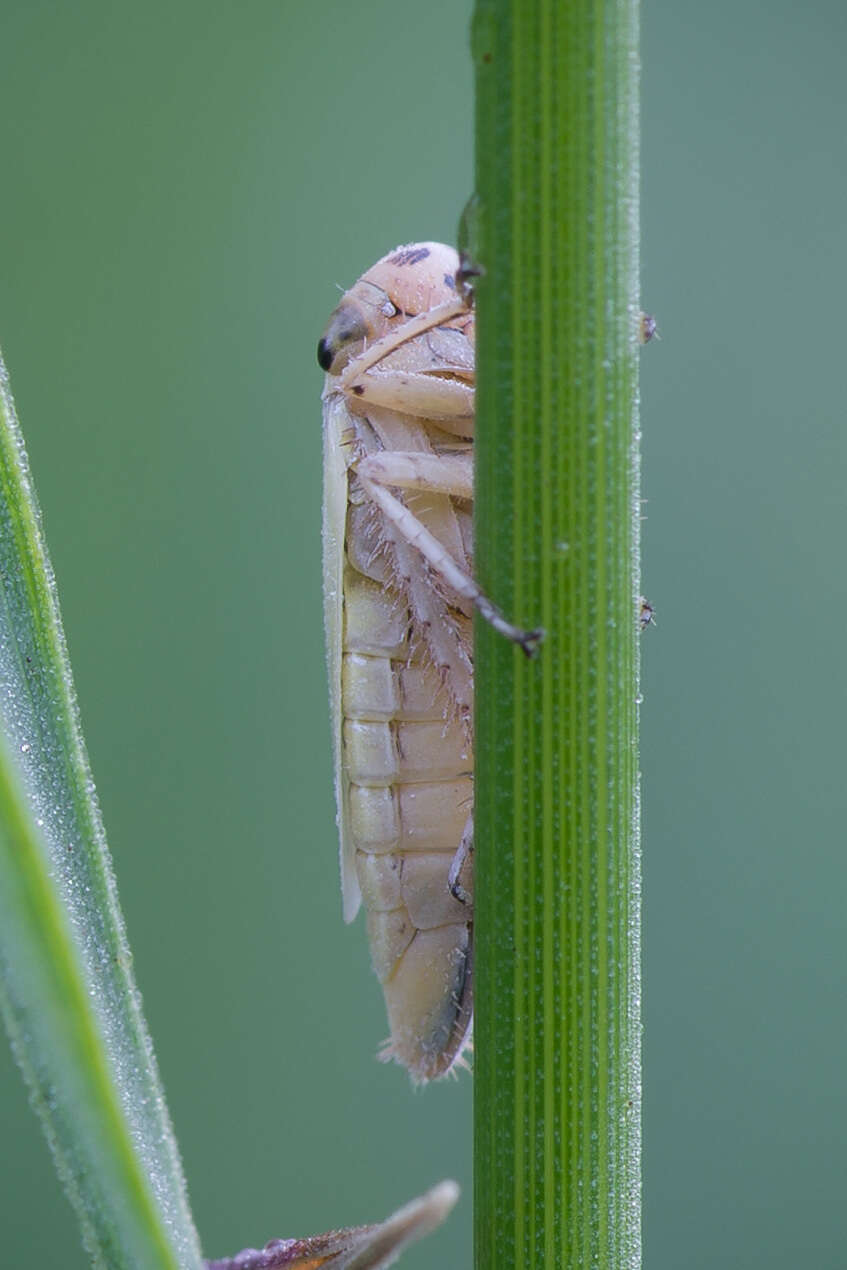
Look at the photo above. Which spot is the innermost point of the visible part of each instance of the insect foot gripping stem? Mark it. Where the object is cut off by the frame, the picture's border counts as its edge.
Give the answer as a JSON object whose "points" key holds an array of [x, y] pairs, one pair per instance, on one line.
{"points": [[529, 641], [399, 595], [532, 640]]}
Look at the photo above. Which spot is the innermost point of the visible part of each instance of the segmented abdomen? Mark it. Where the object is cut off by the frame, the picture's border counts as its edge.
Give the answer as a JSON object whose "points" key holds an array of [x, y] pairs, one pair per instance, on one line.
{"points": [[408, 784]]}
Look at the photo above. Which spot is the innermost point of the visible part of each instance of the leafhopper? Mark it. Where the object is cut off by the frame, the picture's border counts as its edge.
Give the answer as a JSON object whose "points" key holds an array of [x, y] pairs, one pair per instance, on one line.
{"points": [[399, 593]]}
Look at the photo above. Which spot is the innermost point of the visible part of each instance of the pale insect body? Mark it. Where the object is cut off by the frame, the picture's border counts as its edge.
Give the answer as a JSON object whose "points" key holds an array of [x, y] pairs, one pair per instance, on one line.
{"points": [[399, 593]]}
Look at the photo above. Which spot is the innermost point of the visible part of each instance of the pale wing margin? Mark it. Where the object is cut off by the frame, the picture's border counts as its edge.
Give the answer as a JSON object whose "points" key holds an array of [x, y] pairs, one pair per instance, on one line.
{"points": [[336, 422]]}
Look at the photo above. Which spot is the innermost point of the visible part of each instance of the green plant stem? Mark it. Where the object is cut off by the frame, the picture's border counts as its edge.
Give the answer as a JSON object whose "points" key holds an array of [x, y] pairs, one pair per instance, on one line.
{"points": [[66, 986], [557, 1116]]}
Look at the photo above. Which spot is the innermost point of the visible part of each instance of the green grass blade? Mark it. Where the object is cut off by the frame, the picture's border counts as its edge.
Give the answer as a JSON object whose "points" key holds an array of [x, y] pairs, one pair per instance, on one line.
{"points": [[69, 1001], [557, 1118]]}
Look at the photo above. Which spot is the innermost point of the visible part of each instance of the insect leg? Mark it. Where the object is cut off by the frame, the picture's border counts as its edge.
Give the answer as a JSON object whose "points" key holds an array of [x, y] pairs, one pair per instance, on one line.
{"points": [[374, 480], [461, 865], [434, 383], [400, 335], [449, 402], [418, 469]]}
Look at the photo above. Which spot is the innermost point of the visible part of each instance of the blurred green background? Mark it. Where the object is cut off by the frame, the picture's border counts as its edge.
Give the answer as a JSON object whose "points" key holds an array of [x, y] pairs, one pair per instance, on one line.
{"points": [[183, 186]]}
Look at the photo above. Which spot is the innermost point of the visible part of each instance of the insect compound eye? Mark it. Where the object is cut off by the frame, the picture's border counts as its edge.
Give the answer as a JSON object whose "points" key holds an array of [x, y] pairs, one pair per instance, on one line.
{"points": [[345, 328], [325, 354]]}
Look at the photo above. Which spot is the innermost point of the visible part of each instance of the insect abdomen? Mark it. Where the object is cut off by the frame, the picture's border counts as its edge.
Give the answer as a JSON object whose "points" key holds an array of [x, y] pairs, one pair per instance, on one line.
{"points": [[408, 768]]}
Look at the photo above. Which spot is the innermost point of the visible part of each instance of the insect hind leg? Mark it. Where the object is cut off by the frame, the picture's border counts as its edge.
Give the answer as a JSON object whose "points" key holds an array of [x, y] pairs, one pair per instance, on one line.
{"points": [[375, 476]]}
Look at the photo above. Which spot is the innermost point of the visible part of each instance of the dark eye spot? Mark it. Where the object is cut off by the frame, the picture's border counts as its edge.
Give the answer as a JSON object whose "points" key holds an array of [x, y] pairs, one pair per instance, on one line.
{"points": [[345, 327], [450, 281], [324, 355]]}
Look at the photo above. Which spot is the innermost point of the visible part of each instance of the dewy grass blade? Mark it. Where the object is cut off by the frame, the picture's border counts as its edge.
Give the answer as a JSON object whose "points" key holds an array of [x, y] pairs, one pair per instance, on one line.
{"points": [[69, 1000], [55, 1038]]}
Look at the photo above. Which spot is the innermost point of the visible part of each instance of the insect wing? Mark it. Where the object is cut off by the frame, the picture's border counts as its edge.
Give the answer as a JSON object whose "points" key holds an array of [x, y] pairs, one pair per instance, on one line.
{"points": [[335, 446]]}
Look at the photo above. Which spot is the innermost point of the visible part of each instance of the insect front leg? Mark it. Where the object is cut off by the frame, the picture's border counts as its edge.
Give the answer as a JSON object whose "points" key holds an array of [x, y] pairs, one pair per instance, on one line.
{"points": [[418, 370], [402, 334], [449, 402], [443, 474]]}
